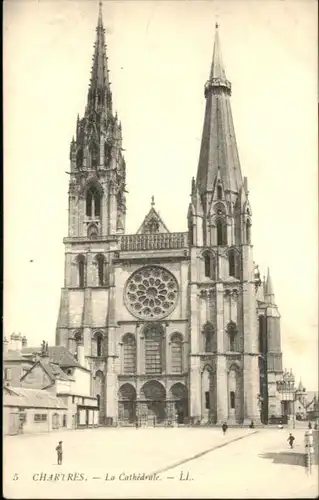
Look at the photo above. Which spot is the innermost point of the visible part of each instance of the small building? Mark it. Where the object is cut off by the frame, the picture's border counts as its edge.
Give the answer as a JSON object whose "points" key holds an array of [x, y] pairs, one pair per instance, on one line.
{"points": [[32, 411], [58, 372]]}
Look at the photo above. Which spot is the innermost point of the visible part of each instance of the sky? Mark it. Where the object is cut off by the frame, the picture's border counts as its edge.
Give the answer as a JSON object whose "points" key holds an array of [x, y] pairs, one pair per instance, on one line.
{"points": [[159, 60]]}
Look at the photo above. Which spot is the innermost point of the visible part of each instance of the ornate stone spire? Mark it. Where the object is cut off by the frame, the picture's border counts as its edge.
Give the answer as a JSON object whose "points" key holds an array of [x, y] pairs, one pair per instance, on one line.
{"points": [[218, 155], [99, 94]]}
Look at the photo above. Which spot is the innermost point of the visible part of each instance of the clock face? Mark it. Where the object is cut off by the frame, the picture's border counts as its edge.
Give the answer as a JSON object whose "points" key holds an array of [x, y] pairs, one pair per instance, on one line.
{"points": [[151, 293]]}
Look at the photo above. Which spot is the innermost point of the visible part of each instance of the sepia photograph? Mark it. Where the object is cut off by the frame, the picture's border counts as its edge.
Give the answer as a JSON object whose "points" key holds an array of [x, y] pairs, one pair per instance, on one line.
{"points": [[160, 249]]}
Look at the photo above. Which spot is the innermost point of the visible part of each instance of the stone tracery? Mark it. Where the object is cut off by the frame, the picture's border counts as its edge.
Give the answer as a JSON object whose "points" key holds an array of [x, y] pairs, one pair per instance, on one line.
{"points": [[151, 292]]}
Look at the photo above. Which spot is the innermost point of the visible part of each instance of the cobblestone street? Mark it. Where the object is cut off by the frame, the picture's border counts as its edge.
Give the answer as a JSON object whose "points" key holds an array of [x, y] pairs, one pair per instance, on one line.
{"points": [[190, 462]]}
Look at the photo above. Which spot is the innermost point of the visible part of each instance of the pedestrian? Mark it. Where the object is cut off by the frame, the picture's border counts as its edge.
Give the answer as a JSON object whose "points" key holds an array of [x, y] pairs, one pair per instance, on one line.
{"points": [[59, 452], [280, 426], [252, 425], [136, 423], [316, 426], [291, 440], [224, 427], [310, 425]]}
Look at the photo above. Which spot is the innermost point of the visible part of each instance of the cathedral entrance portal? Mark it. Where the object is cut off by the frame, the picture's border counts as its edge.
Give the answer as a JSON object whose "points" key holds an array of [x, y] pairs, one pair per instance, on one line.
{"points": [[127, 404], [179, 396], [153, 403]]}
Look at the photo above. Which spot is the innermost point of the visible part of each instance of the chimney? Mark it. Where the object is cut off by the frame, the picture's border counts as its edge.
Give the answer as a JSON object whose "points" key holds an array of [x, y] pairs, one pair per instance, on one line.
{"points": [[15, 342], [24, 341], [44, 354], [80, 355], [5, 345]]}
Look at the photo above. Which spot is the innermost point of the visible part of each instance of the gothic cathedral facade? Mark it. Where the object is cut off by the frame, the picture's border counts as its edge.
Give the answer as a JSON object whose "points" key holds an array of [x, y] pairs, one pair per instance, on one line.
{"points": [[171, 325]]}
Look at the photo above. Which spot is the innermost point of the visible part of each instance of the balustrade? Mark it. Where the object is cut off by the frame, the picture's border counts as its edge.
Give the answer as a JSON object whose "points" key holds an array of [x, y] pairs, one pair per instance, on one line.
{"points": [[156, 241]]}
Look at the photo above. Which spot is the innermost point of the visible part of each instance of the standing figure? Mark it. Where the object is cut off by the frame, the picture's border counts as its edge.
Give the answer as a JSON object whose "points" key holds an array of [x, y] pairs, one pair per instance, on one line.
{"points": [[252, 425], [310, 425], [136, 422], [291, 440], [224, 427], [59, 452]]}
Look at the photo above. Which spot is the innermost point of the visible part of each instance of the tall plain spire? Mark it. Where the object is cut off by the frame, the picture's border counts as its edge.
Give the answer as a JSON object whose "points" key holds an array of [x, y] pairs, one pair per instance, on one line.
{"points": [[218, 153]]}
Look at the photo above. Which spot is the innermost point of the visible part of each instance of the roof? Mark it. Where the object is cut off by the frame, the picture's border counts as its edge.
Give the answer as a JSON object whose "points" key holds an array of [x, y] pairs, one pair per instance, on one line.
{"points": [[54, 371], [58, 355], [31, 398], [14, 356]]}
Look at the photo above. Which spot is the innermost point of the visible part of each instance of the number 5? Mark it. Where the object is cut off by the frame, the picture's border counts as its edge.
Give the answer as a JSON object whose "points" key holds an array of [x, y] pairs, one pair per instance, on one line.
{"points": [[15, 477]]}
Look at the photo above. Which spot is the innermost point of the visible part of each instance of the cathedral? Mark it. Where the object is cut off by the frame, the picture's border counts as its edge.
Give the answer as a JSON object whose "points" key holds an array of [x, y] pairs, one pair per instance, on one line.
{"points": [[174, 327]]}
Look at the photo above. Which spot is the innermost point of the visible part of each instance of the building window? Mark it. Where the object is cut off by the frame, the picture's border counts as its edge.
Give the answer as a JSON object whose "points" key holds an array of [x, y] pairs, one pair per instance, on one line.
{"points": [[208, 333], [129, 354], [232, 399], [65, 419], [232, 333], [101, 268], [98, 401], [40, 417], [99, 345], [219, 192], [207, 402], [221, 233], [7, 374], [93, 202], [177, 353], [94, 155], [81, 270], [207, 266], [154, 361], [232, 263]]}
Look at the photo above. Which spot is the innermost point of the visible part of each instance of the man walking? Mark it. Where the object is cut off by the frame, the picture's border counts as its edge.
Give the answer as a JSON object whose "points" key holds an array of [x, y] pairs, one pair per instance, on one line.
{"points": [[59, 452], [291, 440], [224, 427]]}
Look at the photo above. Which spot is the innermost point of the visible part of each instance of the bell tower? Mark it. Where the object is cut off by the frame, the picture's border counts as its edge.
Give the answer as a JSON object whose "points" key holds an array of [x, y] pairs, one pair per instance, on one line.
{"points": [[224, 374], [96, 219]]}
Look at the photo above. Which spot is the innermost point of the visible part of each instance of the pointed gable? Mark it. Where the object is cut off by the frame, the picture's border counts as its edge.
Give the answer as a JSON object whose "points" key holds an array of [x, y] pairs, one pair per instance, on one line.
{"points": [[152, 223]]}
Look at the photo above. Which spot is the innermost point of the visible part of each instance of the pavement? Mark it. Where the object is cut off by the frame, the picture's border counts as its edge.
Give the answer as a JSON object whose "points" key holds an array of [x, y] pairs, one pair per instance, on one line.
{"points": [[158, 463]]}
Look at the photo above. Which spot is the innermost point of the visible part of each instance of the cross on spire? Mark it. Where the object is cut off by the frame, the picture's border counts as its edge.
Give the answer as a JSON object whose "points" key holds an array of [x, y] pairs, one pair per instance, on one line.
{"points": [[152, 202]]}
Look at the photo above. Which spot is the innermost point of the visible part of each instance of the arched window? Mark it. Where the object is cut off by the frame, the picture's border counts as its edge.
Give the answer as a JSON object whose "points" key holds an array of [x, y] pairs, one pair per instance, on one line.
{"points": [[81, 270], [208, 333], [232, 263], [93, 202], [154, 359], [129, 354], [219, 192], [232, 399], [221, 233], [99, 345], [94, 155], [177, 353], [248, 232], [101, 269], [207, 266], [232, 334]]}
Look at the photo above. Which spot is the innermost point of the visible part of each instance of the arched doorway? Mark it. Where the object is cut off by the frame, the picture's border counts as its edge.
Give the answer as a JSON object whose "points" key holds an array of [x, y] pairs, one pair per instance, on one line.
{"points": [[153, 402], [179, 396], [127, 404]]}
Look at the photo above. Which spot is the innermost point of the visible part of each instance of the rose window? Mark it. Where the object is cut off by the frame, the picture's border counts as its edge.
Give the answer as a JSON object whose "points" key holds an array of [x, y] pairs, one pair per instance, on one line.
{"points": [[151, 293]]}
